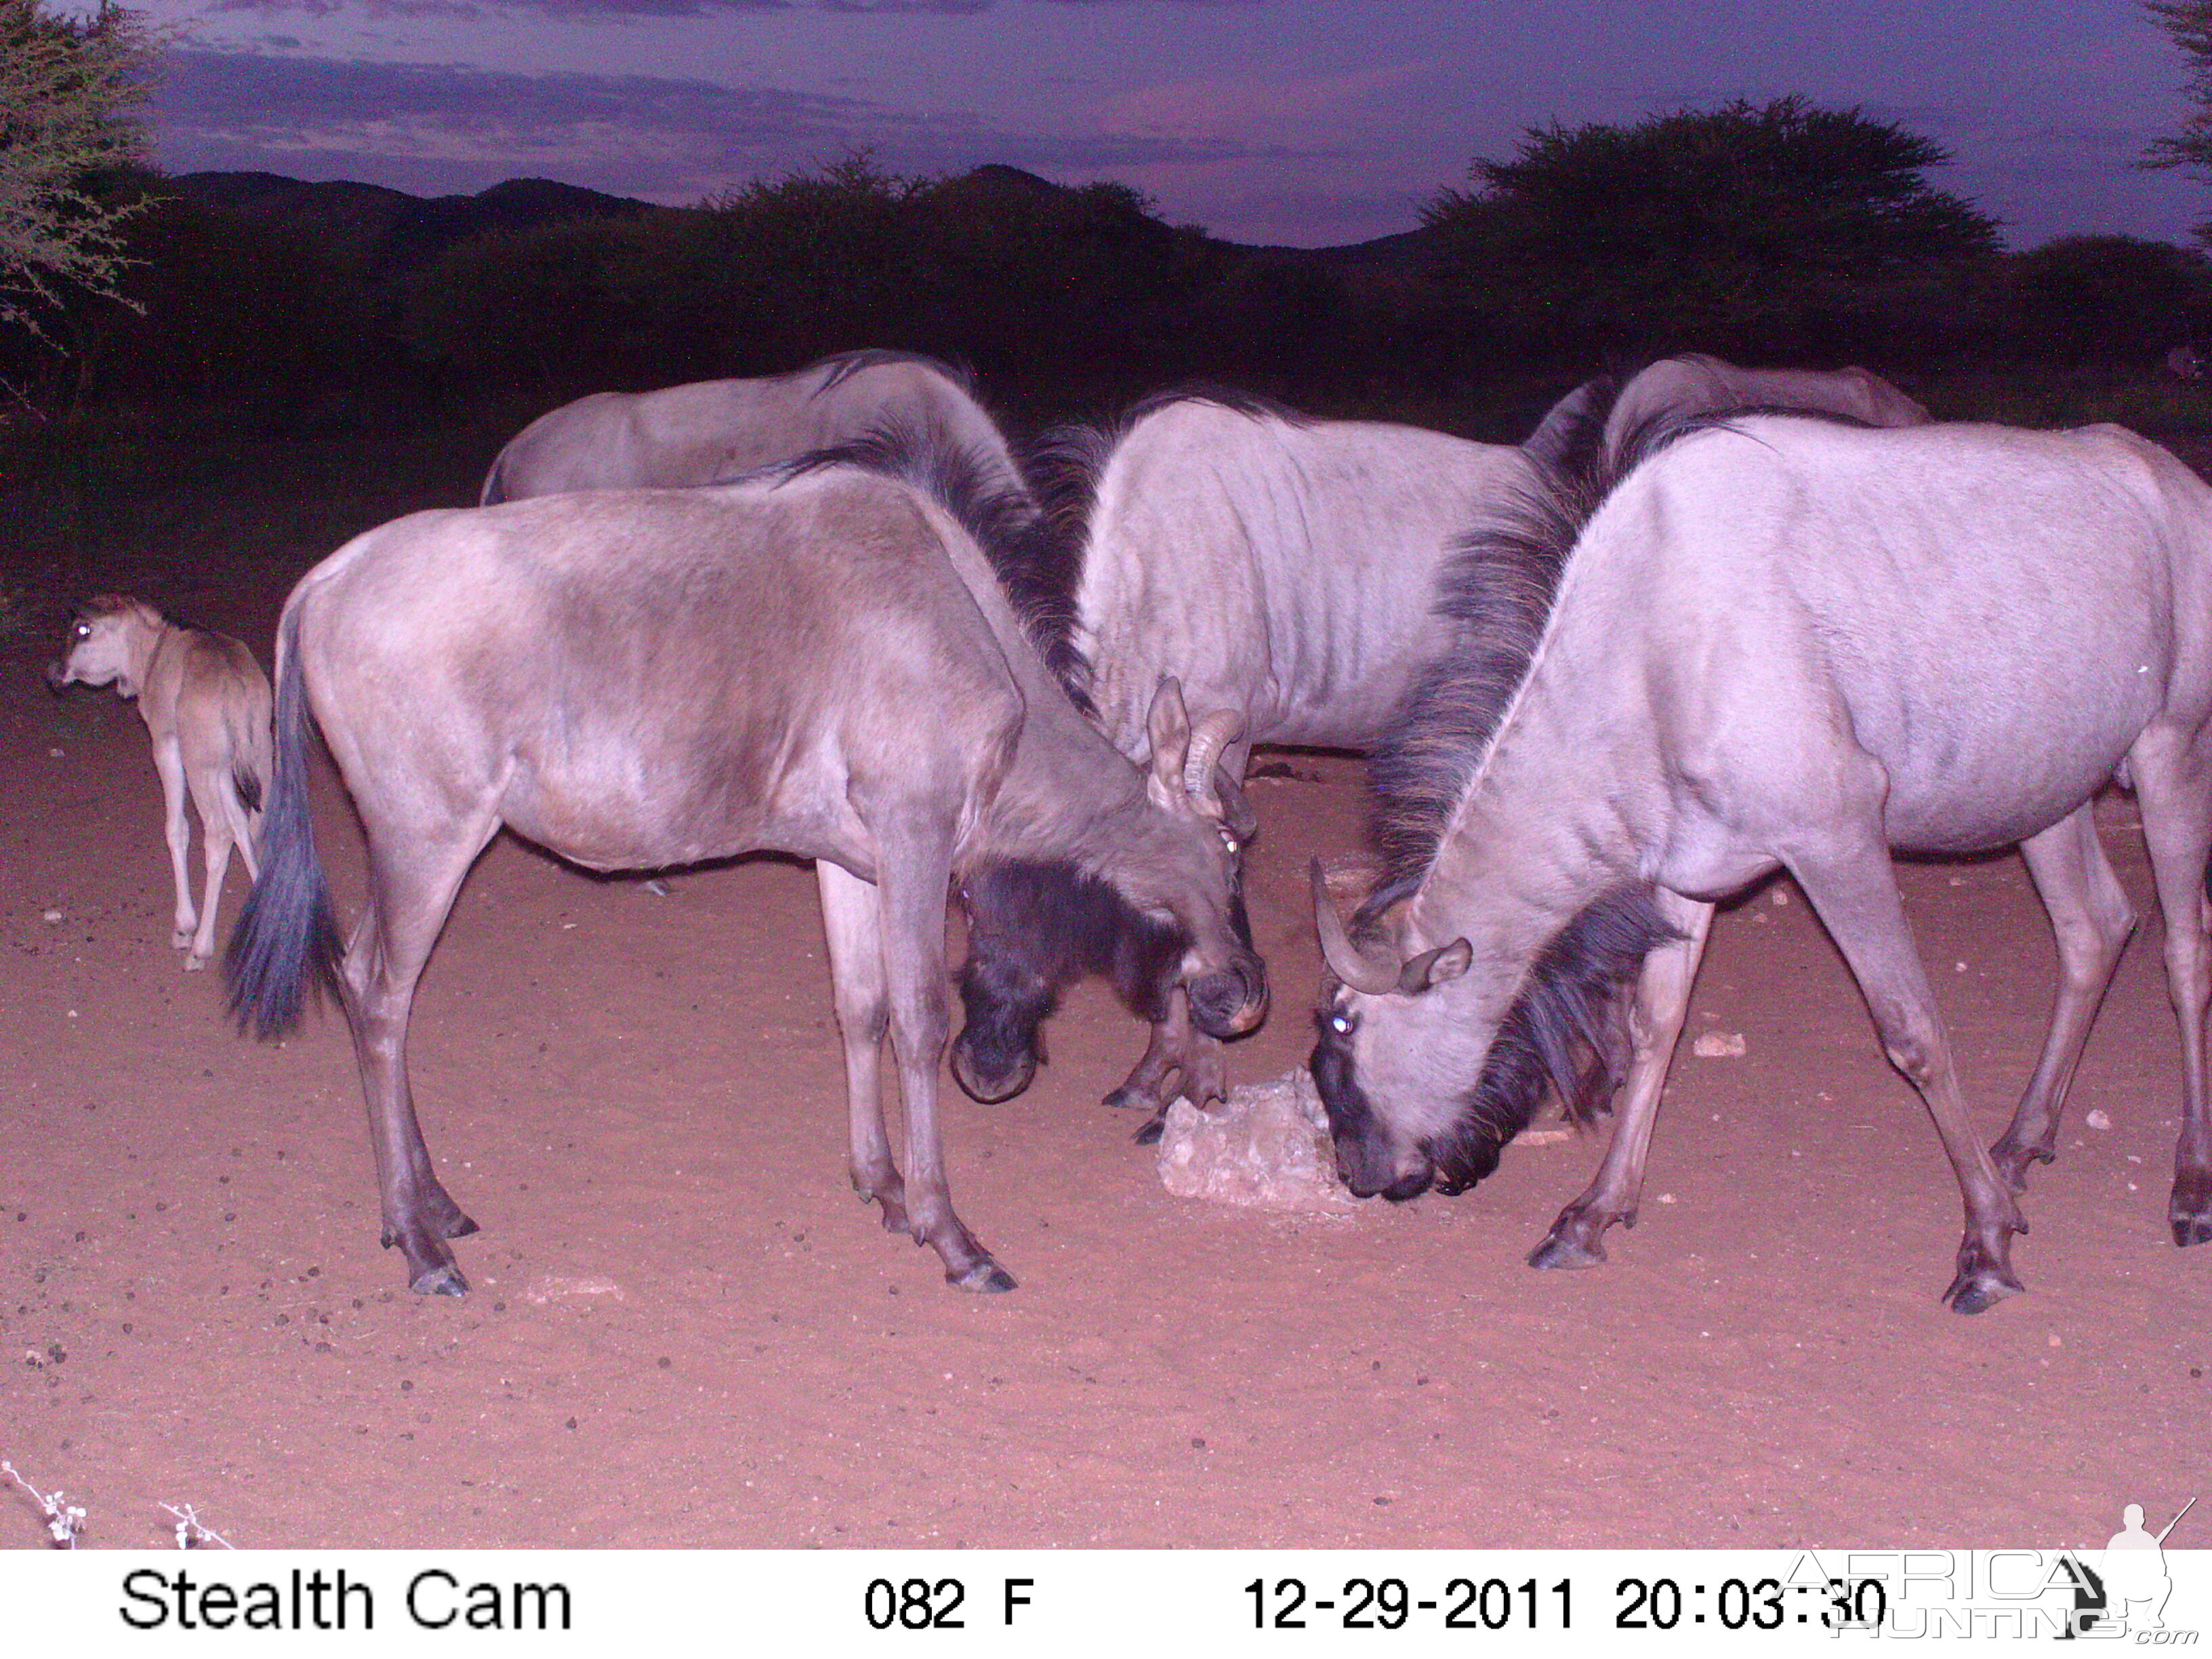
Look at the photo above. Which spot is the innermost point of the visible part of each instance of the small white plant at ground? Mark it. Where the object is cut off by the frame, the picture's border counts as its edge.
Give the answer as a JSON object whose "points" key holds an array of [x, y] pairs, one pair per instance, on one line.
{"points": [[65, 1520], [192, 1532]]}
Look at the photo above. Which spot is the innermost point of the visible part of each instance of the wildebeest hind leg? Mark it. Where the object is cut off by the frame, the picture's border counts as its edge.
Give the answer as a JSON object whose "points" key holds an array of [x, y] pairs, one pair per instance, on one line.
{"points": [[1854, 888], [169, 765], [915, 875], [413, 876], [2173, 782], [852, 918], [214, 853], [2092, 918], [1654, 1024]]}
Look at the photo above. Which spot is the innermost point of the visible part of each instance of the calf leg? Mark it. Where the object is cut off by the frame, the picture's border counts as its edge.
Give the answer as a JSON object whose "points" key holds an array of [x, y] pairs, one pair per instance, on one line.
{"points": [[1854, 888], [169, 765], [1655, 1026], [913, 875], [852, 918], [2173, 782], [2093, 920], [413, 876], [215, 837]]}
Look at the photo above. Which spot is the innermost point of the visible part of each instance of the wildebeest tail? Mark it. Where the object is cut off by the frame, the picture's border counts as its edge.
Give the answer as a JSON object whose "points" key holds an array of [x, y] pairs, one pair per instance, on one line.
{"points": [[288, 937]]}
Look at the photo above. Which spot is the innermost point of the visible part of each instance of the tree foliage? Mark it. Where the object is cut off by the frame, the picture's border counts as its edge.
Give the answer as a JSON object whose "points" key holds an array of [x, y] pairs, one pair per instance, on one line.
{"points": [[2189, 22], [1756, 229], [996, 267], [70, 93], [2106, 298]]}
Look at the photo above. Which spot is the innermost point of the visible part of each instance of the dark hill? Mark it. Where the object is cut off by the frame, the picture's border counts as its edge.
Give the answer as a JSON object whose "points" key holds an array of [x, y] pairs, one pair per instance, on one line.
{"points": [[387, 230]]}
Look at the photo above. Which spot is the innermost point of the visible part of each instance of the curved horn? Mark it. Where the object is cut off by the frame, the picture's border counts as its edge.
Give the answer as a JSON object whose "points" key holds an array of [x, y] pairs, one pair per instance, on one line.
{"points": [[1344, 958], [1213, 734]]}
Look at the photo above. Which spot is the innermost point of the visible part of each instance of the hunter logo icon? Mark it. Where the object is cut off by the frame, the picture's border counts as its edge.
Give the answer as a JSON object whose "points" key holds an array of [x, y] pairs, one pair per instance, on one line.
{"points": [[2136, 1583]]}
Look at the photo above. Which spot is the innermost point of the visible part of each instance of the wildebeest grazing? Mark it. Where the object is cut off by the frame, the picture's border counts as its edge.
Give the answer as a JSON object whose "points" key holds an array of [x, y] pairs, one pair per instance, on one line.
{"points": [[1277, 567], [1695, 384], [821, 662], [715, 431], [1789, 643], [205, 702]]}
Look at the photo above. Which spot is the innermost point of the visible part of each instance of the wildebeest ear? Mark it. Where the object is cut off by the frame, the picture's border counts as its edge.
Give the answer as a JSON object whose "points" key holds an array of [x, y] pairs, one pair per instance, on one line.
{"points": [[1437, 967], [1169, 723]]}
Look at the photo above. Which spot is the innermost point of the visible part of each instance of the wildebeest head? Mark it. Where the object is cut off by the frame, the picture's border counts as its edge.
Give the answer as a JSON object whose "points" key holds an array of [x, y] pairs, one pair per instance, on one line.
{"points": [[1187, 871], [105, 636], [1390, 1031], [1163, 908], [1429, 1061]]}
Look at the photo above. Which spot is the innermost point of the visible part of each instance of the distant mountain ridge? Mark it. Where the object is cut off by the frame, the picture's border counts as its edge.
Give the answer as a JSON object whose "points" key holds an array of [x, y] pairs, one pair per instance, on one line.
{"points": [[388, 230]]}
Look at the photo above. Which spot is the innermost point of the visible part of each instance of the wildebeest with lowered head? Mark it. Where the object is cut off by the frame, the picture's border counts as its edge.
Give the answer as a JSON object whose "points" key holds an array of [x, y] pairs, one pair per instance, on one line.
{"points": [[1277, 567], [205, 702], [1790, 643], [715, 431], [821, 662]]}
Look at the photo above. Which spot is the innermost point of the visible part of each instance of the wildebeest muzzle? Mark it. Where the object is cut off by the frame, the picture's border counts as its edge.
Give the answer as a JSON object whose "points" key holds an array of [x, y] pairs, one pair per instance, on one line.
{"points": [[1231, 1001], [1372, 1165]]}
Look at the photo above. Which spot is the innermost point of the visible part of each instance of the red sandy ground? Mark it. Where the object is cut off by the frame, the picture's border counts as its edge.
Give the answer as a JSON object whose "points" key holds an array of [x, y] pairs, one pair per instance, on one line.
{"points": [[685, 1331]]}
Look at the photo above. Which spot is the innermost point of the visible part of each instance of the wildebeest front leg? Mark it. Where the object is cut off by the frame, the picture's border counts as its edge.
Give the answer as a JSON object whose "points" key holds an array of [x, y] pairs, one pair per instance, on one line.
{"points": [[2173, 782], [2093, 920], [852, 919], [912, 882], [1854, 888], [169, 765], [412, 882], [1655, 1026], [1177, 1050]]}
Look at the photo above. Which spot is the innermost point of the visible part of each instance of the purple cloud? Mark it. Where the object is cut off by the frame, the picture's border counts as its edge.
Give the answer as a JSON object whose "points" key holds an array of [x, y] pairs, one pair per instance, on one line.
{"points": [[454, 128]]}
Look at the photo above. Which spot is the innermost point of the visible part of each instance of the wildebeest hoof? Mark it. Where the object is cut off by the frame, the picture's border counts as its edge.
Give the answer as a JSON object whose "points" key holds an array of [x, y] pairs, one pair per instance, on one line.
{"points": [[181, 939], [1979, 1290], [445, 1279], [986, 1277], [1564, 1250], [2190, 1214], [1153, 1129], [194, 964], [1126, 1097]]}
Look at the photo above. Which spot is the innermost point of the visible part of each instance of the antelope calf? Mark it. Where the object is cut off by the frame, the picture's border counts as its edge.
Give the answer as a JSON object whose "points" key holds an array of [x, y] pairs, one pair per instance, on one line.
{"points": [[205, 702]]}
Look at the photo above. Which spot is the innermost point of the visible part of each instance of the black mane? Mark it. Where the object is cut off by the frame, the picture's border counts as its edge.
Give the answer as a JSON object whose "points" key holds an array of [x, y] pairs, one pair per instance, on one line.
{"points": [[1017, 536], [843, 365], [1035, 928]]}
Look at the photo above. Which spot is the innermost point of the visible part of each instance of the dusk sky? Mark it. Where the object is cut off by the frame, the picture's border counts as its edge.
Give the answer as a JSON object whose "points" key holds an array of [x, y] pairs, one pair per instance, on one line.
{"points": [[1299, 121]]}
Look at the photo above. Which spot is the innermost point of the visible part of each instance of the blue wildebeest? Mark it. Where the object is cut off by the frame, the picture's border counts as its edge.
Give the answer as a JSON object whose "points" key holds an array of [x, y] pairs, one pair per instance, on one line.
{"points": [[1784, 643], [821, 662], [205, 702], [1695, 384], [715, 431], [1282, 570]]}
